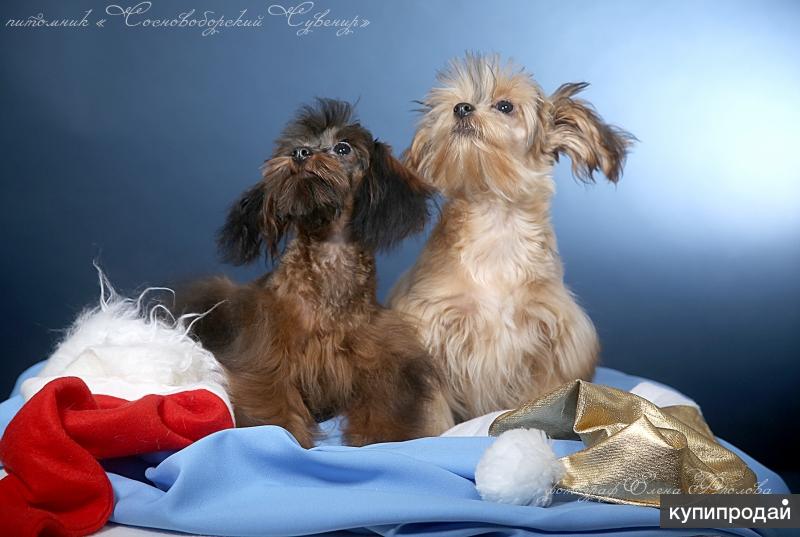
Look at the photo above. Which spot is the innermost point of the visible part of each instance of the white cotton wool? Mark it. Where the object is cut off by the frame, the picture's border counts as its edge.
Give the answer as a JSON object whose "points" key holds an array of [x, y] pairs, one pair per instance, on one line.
{"points": [[126, 349], [520, 468]]}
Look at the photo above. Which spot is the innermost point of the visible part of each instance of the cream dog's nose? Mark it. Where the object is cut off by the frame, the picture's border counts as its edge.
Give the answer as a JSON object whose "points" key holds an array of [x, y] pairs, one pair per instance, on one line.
{"points": [[462, 110]]}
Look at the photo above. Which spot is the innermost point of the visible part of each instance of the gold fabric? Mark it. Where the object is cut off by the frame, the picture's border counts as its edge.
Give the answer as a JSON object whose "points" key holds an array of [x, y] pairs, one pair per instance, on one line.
{"points": [[634, 449]]}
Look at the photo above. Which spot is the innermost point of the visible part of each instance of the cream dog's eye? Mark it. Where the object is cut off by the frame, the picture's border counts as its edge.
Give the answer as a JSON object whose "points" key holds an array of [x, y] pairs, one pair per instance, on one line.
{"points": [[342, 148], [504, 106]]}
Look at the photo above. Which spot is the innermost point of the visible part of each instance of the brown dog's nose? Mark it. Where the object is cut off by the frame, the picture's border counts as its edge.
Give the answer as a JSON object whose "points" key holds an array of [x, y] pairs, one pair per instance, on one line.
{"points": [[462, 110], [299, 154]]}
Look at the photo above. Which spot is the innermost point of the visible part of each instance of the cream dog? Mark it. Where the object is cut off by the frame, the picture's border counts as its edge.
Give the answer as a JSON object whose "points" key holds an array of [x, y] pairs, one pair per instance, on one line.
{"points": [[487, 291]]}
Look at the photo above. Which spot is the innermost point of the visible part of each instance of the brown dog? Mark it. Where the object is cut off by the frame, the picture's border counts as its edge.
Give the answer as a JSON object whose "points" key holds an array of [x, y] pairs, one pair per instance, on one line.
{"points": [[309, 340]]}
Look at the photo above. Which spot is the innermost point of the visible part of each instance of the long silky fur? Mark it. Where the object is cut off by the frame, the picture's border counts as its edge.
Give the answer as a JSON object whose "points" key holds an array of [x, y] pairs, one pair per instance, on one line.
{"points": [[488, 291], [309, 340]]}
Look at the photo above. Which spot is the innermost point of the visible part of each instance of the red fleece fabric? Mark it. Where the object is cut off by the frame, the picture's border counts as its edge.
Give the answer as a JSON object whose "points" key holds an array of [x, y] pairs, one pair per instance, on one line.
{"points": [[55, 486]]}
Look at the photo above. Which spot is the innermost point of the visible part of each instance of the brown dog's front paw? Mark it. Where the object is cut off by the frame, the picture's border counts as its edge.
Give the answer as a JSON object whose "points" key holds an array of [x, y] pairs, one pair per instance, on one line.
{"points": [[357, 440], [300, 424], [363, 432], [366, 437], [304, 438]]}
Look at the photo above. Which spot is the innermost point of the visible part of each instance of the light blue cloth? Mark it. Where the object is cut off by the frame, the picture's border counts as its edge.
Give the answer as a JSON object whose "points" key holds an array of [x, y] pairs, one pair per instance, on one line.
{"points": [[259, 481]]}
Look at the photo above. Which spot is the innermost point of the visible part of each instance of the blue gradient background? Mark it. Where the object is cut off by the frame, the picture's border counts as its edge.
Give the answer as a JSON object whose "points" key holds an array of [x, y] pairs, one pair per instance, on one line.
{"points": [[130, 143]]}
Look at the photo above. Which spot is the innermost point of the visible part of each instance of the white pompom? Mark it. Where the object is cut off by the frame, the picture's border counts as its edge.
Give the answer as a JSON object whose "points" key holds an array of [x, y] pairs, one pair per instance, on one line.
{"points": [[520, 468]]}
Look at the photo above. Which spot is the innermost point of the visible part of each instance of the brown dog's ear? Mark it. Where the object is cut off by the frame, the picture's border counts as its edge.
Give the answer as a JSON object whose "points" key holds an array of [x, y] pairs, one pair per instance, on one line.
{"points": [[252, 223], [391, 202], [581, 134]]}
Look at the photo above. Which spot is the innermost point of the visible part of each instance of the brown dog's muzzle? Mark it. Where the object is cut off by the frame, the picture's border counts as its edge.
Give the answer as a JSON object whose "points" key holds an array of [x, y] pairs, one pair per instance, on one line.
{"points": [[306, 183]]}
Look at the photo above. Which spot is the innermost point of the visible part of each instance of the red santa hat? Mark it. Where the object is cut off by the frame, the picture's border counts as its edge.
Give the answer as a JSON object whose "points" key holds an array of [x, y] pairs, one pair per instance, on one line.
{"points": [[126, 380]]}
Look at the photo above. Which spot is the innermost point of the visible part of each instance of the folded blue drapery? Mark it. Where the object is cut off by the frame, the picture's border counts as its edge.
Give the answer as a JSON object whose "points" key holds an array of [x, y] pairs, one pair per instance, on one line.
{"points": [[259, 481]]}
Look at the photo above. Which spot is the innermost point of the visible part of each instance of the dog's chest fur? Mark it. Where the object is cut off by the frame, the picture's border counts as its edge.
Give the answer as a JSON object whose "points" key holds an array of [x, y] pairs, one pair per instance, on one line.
{"points": [[489, 291], [502, 247], [325, 293]]}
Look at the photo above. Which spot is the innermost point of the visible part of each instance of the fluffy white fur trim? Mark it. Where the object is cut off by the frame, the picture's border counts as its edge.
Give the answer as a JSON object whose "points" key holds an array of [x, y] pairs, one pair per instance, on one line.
{"points": [[520, 468], [127, 349]]}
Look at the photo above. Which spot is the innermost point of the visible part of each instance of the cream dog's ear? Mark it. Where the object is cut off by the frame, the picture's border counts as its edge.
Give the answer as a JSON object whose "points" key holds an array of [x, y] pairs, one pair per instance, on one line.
{"points": [[577, 131]]}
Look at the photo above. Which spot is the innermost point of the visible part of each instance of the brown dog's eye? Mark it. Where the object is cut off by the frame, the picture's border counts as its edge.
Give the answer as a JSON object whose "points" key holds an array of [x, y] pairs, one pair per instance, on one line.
{"points": [[342, 148], [504, 106]]}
